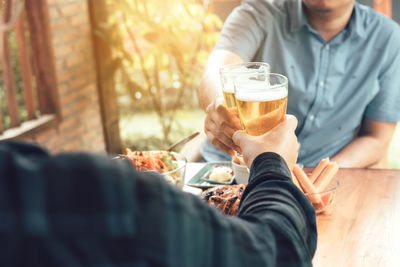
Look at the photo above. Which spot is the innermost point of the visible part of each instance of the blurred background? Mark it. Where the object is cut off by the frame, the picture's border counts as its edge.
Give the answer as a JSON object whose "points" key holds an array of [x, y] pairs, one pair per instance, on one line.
{"points": [[102, 75]]}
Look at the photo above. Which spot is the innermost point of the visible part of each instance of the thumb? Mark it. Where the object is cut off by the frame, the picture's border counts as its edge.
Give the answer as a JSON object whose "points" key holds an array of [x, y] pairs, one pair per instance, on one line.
{"points": [[291, 121], [239, 137]]}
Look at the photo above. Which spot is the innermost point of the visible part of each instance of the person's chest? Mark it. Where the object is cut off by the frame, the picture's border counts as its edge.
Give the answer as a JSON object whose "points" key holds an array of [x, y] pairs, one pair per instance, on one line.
{"points": [[324, 77]]}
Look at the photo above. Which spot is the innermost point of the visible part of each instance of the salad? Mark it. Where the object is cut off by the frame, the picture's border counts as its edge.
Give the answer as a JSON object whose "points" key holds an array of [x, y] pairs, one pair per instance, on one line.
{"points": [[161, 161]]}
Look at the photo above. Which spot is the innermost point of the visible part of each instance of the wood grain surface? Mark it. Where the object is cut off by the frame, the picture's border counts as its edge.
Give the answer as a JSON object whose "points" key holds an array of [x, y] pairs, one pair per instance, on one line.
{"points": [[363, 228]]}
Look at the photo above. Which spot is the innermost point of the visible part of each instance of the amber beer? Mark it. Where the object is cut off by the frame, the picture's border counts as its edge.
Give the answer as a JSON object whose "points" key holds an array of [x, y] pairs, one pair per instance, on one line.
{"points": [[260, 110], [228, 74], [228, 89], [229, 97]]}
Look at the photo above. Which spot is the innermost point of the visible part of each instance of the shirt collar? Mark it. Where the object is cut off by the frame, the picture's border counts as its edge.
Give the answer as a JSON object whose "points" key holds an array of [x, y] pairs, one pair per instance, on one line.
{"points": [[356, 24], [296, 15], [298, 18]]}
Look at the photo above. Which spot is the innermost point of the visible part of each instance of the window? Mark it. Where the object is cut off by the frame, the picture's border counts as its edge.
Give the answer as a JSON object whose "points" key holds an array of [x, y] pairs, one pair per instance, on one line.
{"points": [[28, 99]]}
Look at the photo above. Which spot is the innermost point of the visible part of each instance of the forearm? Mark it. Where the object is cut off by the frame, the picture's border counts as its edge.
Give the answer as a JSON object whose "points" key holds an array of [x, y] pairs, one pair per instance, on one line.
{"points": [[138, 218], [209, 88], [272, 198], [369, 147], [276, 224], [210, 85], [362, 152]]}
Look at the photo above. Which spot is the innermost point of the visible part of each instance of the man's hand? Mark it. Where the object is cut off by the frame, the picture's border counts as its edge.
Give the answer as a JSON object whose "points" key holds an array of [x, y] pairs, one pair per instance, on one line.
{"points": [[281, 140], [220, 125]]}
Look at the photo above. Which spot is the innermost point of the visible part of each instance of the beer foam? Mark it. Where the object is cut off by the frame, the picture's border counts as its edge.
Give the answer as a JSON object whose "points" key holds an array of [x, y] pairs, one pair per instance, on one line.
{"points": [[234, 70], [258, 95], [228, 87], [228, 79], [228, 75]]}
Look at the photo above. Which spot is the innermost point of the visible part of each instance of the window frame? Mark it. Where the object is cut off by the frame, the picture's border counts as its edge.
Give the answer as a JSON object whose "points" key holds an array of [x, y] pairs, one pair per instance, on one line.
{"points": [[37, 18]]}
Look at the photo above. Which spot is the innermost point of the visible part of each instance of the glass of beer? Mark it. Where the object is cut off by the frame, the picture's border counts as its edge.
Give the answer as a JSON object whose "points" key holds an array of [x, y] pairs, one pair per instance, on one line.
{"points": [[228, 74], [261, 101]]}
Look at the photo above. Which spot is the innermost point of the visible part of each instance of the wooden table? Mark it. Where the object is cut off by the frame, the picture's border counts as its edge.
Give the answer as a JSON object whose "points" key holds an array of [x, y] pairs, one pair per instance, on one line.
{"points": [[363, 228]]}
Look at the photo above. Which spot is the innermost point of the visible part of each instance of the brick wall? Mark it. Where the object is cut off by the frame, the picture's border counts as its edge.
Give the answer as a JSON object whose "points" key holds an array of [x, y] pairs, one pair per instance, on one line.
{"points": [[81, 125]]}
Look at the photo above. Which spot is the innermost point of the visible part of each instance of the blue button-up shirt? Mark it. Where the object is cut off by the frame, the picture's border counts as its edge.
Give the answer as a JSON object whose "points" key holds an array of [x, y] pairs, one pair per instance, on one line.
{"points": [[332, 85]]}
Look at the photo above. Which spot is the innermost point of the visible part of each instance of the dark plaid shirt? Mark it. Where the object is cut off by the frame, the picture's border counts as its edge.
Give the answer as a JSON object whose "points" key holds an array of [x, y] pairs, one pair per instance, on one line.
{"points": [[86, 210]]}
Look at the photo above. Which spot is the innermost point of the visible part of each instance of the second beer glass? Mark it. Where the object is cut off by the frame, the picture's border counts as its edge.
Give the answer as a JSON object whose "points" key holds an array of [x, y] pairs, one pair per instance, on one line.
{"points": [[229, 73]]}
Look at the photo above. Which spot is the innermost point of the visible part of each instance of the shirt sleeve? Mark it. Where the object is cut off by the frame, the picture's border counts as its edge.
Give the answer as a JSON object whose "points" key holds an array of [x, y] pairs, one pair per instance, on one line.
{"points": [[275, 225], [272, 198], [80, 209], [386, 105], [246, 28]]}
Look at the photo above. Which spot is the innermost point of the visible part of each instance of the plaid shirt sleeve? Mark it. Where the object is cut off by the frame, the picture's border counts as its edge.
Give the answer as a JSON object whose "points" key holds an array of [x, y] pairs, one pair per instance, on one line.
{"points": [[86, 210]]}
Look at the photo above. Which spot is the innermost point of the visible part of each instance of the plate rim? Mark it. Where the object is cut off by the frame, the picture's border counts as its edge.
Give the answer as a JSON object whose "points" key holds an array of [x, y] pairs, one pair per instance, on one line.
{"points": [[203, 170]]}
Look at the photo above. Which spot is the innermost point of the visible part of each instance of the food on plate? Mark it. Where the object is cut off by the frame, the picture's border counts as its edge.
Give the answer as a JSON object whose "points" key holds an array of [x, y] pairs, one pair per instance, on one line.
{"points": [[225, 197], [221, 174], [317, 171], [326, 176], [315, 186], [161, 161], [306, 184]]}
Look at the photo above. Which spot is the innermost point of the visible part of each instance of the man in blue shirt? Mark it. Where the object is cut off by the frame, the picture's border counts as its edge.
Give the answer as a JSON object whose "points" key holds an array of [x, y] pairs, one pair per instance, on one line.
{"points": [[343, 64]]}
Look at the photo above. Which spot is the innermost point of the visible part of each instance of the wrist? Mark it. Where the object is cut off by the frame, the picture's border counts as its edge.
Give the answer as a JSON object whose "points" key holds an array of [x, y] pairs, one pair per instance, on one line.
{"points": [[269, 164]]}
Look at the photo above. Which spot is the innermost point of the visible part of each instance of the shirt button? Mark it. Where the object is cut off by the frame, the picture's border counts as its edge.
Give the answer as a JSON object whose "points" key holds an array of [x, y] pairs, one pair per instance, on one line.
{"points": [[321, 83], [311, 118], [327, 47]]}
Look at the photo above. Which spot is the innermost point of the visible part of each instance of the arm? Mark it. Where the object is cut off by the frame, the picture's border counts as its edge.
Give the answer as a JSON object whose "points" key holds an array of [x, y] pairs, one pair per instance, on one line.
{"points": [[370, 146], [240, 38], [80, 209], [210, 86], [261, 189], [298, 243], [381, 114], [220, 123], [275, 226]]}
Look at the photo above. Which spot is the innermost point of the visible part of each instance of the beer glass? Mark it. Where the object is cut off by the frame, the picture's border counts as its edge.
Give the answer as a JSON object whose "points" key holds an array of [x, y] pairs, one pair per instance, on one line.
{"points": [[228, 74], [261, 101]]}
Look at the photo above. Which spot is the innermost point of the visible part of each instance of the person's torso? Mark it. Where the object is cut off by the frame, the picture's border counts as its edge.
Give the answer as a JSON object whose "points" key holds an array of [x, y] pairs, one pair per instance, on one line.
{"points": [[330, 83]]}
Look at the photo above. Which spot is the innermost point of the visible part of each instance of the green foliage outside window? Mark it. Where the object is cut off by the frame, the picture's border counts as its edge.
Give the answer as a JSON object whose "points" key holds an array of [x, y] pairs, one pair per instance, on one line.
{"points": [[13, 51], [160, 49]]}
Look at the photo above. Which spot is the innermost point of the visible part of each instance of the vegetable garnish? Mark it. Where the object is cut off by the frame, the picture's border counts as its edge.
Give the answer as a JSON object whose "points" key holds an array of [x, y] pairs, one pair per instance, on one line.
{"points": [[161, 161]]}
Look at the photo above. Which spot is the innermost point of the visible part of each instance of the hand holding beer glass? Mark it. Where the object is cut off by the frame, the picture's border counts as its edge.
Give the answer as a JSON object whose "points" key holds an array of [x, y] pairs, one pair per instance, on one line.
{"points": [[222, 120], [230, 73]]}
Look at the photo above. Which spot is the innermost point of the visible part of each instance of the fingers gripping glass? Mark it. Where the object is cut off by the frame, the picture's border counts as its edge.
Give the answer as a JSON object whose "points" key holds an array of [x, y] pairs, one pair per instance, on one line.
{"points": [[228, 75]]}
